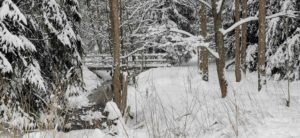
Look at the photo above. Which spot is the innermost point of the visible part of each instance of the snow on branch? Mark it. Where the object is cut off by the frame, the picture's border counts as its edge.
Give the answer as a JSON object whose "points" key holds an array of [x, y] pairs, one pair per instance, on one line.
{"points": [[184, 38], [32, 74], [9, 10], [10, 42], [184, 33], [133, 52], [290, 14], [189, 40], [5, 66], [57, 22], [219, 5], [242, 21], [205, 3], [192, 40]]}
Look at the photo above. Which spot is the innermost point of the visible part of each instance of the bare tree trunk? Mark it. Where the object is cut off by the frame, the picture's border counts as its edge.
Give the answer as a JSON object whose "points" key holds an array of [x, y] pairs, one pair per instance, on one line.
{"points": [[288, 64], [62, 2], [244, 36], [262, 44], [237, 43], [203, 58], [115, 30], [98, 29], [199, 59], [122, 29], [124, 94], [88, 3], [219, 39]]}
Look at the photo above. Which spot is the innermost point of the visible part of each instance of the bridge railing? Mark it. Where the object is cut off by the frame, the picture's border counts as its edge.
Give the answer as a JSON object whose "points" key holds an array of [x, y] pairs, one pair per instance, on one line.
{"points": [[142, 61]]}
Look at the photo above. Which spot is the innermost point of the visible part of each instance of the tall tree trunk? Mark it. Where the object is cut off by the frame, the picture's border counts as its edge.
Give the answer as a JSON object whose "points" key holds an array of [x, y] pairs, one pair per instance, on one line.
{"points": [[289, 64], [121, 30], [219, 39], [88, 3], [124, 93], [115, 31], [262, 44], [244, 36], [97, 29], [203, 51], [237, 43]]}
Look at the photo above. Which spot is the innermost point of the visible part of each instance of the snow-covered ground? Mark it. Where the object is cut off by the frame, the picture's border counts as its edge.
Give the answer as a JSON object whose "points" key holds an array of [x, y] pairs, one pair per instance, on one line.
{"points": [[175, 102], [92, 81]]}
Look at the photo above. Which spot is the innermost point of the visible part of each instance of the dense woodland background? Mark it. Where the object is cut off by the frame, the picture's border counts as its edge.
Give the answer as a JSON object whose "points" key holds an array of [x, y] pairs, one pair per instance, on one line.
{"points": [[43, 44]]}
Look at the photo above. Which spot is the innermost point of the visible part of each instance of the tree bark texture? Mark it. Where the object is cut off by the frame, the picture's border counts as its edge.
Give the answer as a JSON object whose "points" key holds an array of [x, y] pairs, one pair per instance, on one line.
{"points": [[124, 94], [115, 31], [244, 36], [237, 43], [203, 51], [261, 44], [219, 40]]}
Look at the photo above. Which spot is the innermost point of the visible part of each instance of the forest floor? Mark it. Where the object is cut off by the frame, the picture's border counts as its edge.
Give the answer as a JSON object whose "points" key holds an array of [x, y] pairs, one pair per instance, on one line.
{"points": [[175, 102]]}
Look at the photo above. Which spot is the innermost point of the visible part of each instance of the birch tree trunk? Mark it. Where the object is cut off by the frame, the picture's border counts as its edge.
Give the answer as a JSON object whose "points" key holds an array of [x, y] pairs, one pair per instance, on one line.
{"points": [[244, 36], [203, 51], [237, 43], [219, 39], [261, 44], [115, 31]]}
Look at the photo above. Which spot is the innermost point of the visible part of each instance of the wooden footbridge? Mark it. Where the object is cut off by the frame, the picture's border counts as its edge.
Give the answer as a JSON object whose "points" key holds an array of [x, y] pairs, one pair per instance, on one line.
{"points": [[135, 61]]}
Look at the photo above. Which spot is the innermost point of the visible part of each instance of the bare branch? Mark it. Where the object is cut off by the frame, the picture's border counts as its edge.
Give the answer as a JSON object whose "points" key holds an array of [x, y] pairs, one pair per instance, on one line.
{"points": [[190, 39], [196, 41]]}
